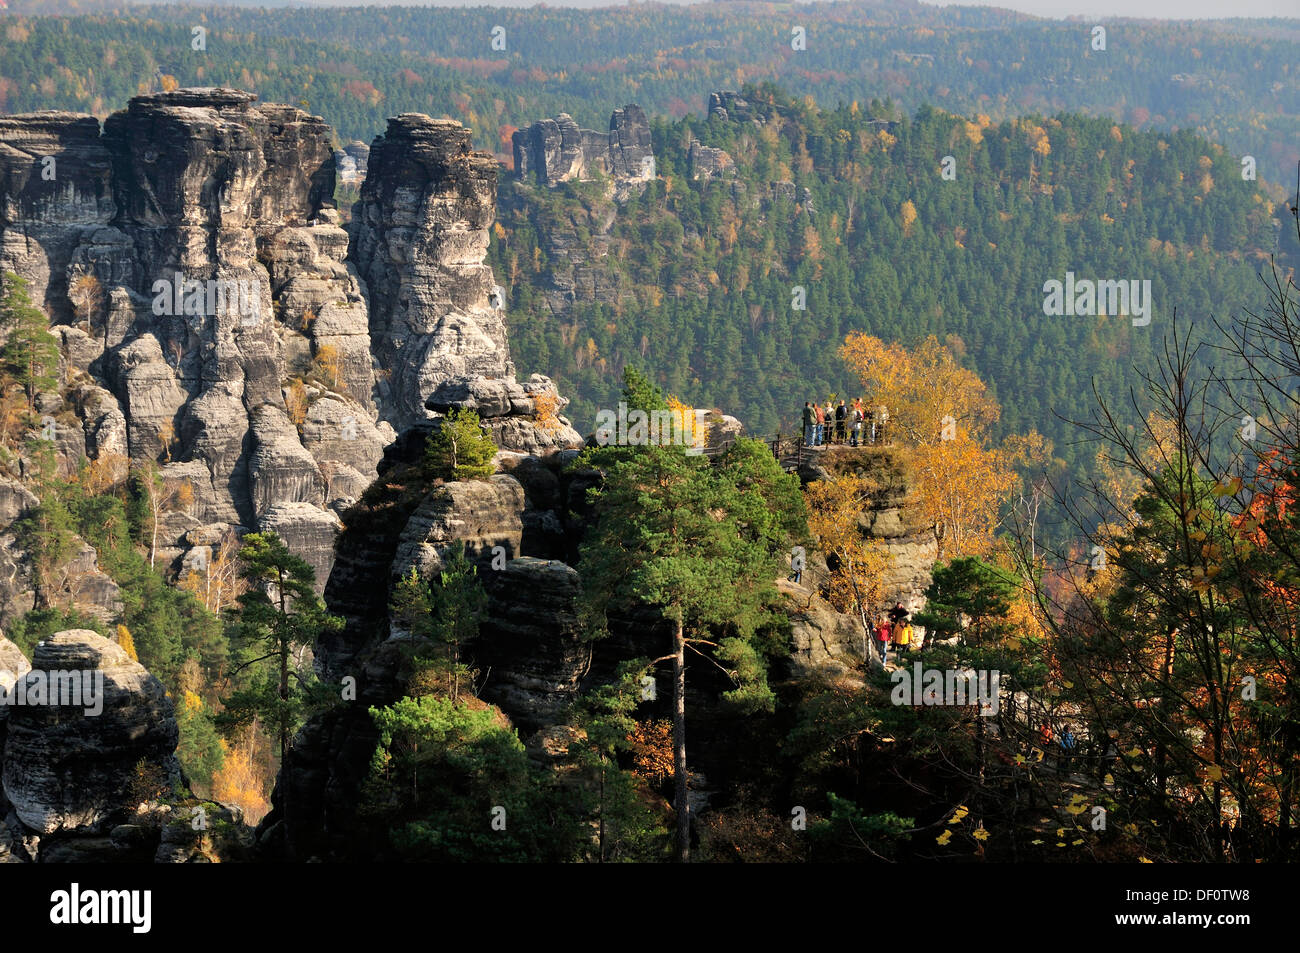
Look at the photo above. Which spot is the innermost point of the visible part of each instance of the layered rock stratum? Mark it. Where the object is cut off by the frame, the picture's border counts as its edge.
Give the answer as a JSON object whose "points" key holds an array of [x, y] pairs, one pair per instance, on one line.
{"points": [[208, 222]]}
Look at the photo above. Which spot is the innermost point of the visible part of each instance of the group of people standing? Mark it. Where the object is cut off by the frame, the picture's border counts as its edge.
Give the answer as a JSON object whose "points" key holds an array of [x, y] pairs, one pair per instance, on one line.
{"points": [[1067, 743], [893, 628], [857, 424]]}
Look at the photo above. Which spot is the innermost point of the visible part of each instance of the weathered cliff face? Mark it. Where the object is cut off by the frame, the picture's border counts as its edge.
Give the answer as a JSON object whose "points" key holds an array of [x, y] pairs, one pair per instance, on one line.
{"points": [[207, 222], [420, 236], [239, 336], [437, 317], [551, 151]]}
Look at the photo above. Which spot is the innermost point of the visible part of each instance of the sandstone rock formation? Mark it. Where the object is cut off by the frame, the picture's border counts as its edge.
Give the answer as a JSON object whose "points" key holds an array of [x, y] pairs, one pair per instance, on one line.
{"points": [[437, 321], [556, 150], [527, 651], [730, 106], [531, 640], [93, 781], [819, 634], [240, 337], [481, 514], [350, 161], [203, 199], [704, 162], [67, 768], [266, 360]]}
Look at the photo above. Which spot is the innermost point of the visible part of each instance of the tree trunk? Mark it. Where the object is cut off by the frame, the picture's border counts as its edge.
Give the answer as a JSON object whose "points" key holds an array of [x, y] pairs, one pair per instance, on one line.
{"points": [[284, 696], [1162, 774], [284, 692], [680, 789], [602, 808]]}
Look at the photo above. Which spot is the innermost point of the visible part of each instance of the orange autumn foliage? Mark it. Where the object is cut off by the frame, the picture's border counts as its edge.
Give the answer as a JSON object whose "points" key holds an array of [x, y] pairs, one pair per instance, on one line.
{"points": [[652, 750], [243, 779]]}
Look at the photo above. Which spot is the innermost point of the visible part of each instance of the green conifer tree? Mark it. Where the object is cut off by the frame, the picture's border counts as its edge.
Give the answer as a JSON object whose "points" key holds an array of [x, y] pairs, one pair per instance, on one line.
{"points": [[31, 352], [459, 449]]}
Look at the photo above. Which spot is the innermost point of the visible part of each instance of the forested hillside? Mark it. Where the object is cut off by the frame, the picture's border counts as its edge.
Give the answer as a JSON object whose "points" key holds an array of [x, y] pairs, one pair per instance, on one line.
{"points": [[699, 280], [705, 271], [1233, 81]]}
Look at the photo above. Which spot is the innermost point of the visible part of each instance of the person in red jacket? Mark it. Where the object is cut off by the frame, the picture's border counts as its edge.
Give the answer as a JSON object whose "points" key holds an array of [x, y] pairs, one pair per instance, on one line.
{"points": [[884, 635]]}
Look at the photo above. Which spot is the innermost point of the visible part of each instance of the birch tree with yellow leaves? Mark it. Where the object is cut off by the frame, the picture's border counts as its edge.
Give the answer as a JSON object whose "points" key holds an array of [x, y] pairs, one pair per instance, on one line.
{"points": [[940, 414]]}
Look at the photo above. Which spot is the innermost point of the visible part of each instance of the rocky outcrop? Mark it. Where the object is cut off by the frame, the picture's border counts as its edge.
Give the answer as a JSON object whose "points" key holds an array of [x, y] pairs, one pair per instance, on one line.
{"points": [[91, 775], [631, 153], [420, 237], [15, 500], [892, 520], [351, 161], [730, 106], [788, 192], [55, 185], [522, 417], [530, 640], [266, 359], [436, 311], [206, 221], [70, 763], [281, 470], [77, 582], [480, 514], [551, 151], [705, 162], [527, 650]]}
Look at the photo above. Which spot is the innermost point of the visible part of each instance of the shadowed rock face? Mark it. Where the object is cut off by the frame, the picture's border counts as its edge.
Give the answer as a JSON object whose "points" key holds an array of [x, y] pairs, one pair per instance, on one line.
{"points": [[66, 770], [530, 640]]}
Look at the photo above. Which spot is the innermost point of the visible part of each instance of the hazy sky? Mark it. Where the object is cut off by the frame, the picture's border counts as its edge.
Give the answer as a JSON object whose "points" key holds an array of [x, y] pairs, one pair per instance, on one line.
{"points": [[1172, 9]]}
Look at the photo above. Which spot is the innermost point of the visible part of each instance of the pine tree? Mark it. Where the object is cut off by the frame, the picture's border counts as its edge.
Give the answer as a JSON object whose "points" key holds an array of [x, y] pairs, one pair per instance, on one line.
{"points": [[279, 613], [448, 612], [459, 449], [701, 542], [31, 352]]}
